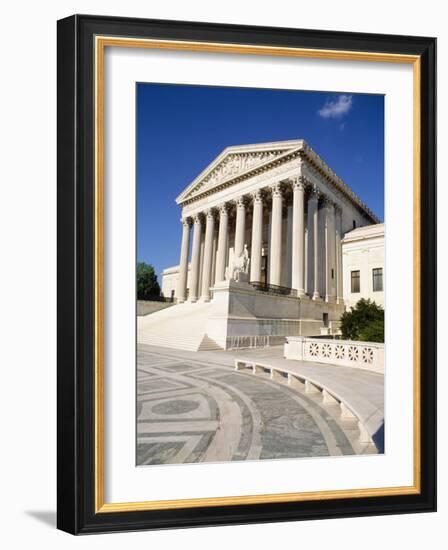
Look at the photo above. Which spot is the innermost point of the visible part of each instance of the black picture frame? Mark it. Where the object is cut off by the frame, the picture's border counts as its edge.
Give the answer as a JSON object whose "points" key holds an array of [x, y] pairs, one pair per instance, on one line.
{"points": [[76, 275]]}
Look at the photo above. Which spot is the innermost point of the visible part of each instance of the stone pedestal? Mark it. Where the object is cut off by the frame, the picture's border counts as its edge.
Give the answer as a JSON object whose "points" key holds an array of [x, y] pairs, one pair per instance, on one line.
{"points": [[240, 311]]}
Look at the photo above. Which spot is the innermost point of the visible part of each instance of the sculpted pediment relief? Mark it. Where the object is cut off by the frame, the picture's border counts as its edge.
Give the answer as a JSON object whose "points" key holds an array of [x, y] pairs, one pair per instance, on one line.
{"points": [[235, 164], [231, 165]]}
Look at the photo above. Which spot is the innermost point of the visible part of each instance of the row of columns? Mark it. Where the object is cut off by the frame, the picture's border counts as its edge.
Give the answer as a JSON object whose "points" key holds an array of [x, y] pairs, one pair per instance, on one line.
{"points": [[332, 236]]}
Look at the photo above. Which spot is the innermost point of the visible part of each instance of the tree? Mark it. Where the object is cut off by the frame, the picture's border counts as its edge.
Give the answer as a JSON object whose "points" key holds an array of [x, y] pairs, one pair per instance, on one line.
{"points": [[147, 285], [363, 322]]}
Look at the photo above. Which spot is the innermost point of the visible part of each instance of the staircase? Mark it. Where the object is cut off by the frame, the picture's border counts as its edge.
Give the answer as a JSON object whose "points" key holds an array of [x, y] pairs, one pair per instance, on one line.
{"points": [[182, 326]]}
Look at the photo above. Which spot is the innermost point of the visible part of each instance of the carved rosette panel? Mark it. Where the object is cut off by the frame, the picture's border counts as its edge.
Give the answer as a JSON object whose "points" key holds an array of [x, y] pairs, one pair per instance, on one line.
{"points": [[314, 349], [353, 353], [339, 352], [367, 355]]}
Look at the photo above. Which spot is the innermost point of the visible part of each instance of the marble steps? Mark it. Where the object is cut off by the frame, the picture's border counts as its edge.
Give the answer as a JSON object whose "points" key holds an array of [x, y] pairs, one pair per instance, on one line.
{"points": [[182, 326], [208, 344], [184, 343]]}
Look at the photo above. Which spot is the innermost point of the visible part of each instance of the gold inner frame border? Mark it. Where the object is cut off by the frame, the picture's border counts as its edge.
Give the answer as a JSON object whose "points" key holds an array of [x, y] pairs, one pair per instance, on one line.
{"points": [[100, 44]]}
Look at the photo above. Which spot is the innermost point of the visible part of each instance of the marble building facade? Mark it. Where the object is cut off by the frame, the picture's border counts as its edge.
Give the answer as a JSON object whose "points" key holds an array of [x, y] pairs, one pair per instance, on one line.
{"points": [[363, 261], [280, 205]]}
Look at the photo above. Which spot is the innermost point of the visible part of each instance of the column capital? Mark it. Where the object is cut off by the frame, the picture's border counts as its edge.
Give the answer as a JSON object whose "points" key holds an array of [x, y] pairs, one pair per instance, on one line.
{"points": [[197, 219], [241, 202], [210, 213], [257, 196], [298, 182], [223, 209], [277, 190], [327, 202], [187, 221], [314, 193]]}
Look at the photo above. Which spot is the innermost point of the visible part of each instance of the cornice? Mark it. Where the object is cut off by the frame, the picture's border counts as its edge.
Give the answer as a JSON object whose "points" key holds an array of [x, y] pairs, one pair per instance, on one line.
{"points": [[302, 151], [233, 180], [312, 158]]}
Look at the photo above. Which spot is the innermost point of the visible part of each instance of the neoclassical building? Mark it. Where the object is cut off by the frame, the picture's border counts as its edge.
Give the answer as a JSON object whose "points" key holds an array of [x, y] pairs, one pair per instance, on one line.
{"points": [[363, 265], [262, 228]]}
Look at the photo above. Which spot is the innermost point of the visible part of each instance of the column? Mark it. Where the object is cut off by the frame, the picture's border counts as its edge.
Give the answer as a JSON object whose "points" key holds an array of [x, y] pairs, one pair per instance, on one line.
{"points": [[183, 264], [338, 252], [329, 249], [313, 243], [287, 243], [222, 243], [208, 255], [275, 249], [298, 236], [214, 255], [257, 237], [306, 261], [240, 227], [195, 257]]}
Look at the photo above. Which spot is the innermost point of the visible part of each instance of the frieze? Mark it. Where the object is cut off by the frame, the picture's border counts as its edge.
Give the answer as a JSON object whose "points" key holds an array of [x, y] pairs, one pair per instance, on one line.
{"points": [[239, 166], [265, 161], [236, 164], [280, 171], [256, 166]]}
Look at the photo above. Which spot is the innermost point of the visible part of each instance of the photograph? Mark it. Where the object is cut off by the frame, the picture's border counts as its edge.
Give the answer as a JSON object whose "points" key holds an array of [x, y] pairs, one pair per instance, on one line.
{"points": [[260, 274]]}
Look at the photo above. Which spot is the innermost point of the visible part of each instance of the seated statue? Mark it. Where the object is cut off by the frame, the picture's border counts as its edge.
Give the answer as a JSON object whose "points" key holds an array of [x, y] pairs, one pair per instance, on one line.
{"points": [[240, 267]]}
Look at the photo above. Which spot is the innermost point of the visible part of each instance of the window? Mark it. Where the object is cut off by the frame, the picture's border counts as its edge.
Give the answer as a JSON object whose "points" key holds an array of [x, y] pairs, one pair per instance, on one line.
{"points": [[355, 282], [354, 224], [377, 279]]}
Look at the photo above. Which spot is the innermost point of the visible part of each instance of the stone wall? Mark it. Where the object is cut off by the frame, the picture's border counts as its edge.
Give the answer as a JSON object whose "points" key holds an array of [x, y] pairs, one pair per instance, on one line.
{"points": [[145, 307], [238, 310], [347, 353]]}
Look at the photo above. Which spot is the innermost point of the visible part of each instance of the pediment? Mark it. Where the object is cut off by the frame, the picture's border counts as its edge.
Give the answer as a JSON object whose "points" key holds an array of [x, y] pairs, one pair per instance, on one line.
{"points": [[233, 163]]}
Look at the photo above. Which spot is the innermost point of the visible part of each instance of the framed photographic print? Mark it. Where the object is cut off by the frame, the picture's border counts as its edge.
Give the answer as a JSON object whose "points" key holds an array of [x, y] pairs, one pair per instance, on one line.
{"points": [[246, 274]]}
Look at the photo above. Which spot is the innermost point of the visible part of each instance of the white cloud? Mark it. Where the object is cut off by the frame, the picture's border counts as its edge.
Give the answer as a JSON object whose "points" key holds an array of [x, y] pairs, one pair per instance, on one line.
{"points": [[336, 108]]}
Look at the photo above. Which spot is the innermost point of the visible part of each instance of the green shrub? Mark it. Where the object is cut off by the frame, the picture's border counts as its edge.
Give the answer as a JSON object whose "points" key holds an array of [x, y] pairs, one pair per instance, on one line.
{"points": [[147, 285], [363, 322]]}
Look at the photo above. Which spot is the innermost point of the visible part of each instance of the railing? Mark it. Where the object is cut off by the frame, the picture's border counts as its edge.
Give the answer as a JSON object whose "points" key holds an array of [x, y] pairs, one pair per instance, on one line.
{"points": [[253, 341], [274, 289], [347, 353]]}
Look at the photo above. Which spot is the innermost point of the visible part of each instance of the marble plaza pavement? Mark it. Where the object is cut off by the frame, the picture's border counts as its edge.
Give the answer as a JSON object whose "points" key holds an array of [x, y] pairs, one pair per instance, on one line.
{"points": [[194, 407]]}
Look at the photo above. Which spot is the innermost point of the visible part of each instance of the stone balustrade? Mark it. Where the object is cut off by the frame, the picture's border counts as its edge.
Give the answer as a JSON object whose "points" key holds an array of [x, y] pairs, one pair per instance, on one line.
{"points": [[347, 353], [253, 341]]}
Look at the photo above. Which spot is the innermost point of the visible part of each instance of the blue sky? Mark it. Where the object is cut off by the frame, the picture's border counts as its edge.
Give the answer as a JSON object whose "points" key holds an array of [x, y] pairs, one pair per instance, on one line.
{"points": [[181, 129]]}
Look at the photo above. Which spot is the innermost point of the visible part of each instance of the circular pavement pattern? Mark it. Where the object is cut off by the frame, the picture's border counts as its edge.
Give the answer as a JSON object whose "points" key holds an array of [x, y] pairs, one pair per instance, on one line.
{"points": [[189, 411], [175, 406]]}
